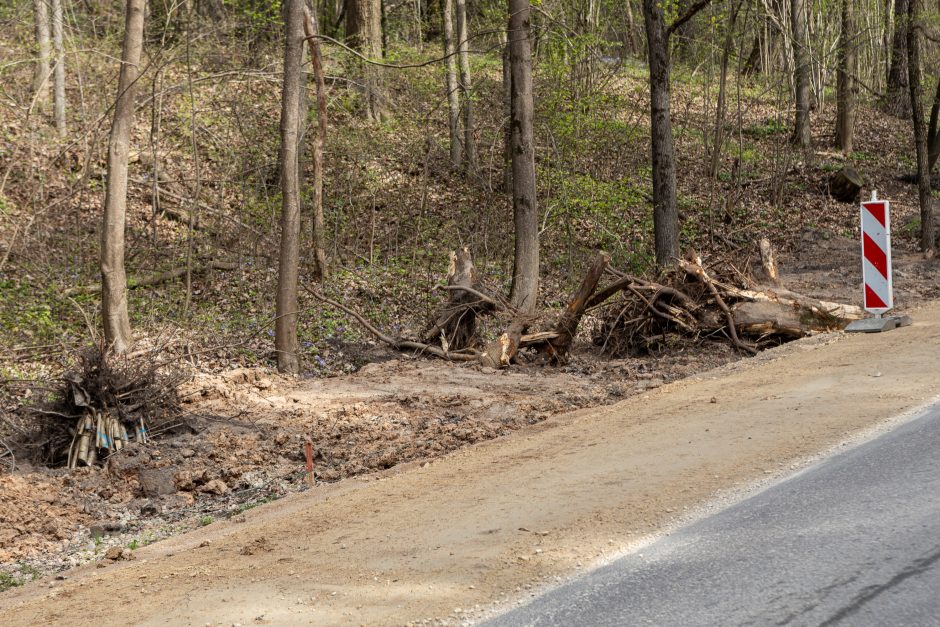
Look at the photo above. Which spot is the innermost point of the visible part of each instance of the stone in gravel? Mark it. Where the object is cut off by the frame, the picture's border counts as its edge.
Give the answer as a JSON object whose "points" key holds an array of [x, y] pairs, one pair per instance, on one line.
{"points": [[116, 553], [150, 509], [216, 486], [106, 527], [157, 481]]}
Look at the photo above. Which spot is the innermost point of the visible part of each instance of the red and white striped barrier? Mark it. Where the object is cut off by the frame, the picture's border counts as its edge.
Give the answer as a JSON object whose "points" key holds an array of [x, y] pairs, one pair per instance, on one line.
{"points": [[876, 255]]}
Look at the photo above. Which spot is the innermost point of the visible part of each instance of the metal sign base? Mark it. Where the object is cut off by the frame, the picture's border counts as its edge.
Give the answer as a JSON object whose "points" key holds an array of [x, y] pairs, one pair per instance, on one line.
{"points": [[877, 325]]}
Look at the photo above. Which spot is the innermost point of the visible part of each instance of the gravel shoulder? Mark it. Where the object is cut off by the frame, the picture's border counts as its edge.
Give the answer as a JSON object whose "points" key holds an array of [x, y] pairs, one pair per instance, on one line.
{"points": [[490, 523]]}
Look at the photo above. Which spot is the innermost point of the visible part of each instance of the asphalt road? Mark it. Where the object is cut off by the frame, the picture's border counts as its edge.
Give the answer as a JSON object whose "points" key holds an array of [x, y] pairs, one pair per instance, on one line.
{"points": [[854, 540]]}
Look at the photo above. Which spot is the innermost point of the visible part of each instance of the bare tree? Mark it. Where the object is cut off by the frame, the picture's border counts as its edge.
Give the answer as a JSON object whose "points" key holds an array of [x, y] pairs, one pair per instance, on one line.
{"points": [[453, 93], [801, 75], [920, 136], [42, 69], [117, 326], [312, 30], [59, 74], [665, 213], [285, 327], [463, 47], [848, 66], [364, 32], [525, 274], [898, 97]]}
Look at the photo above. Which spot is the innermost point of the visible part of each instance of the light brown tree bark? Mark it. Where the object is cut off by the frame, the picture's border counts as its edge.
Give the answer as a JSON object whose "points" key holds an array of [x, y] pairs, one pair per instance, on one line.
{"points": [[846, 89], [801, 79], [525, 274], [41, 71], [927, 241], [453, 88], [364, 34], [59, 74], [117, 326], [285, 326], [312, 29], [463, 46]]}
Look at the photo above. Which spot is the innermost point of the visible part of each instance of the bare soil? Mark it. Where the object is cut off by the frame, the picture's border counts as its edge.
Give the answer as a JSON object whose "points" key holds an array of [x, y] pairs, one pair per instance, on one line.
{"points": [[448, 541]]}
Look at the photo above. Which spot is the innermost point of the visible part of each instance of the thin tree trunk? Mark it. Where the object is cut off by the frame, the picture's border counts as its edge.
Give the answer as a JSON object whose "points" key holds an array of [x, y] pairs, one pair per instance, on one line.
{"points": [[848, 65], [453, 89], [801, 78], [665, 214], [312, 29], [920, 139], [525, 275], [898, 97], [463, 46], [722, 90], [117, 326], [933, 132], [42, 69], [507, 116], [364, 33], [285, 327], [59, 74]]}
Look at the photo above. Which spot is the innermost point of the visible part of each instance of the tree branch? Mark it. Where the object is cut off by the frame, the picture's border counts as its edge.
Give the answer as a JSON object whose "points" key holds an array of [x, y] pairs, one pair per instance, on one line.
{"points": [[695, 8]]}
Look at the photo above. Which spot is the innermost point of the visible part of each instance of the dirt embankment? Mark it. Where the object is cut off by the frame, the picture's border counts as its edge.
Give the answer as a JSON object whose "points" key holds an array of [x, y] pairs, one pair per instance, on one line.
{"points": [[490, 522]]}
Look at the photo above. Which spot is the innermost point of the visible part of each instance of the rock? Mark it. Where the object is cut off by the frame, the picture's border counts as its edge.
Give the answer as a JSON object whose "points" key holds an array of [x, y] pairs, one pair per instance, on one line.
{"points": [[188, 479], [846, 185], [150, 509], [157, 481], [116, 553], [216, 486], [103, 528]]}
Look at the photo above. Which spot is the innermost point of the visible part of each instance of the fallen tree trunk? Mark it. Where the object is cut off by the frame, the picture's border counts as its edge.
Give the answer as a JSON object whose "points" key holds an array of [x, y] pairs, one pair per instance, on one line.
{"points": [[558, 346], [154, 279]]}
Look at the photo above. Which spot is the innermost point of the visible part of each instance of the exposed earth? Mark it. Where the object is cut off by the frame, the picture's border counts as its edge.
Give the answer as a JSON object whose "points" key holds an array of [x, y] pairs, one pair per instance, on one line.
{"points": [[555, 491]]}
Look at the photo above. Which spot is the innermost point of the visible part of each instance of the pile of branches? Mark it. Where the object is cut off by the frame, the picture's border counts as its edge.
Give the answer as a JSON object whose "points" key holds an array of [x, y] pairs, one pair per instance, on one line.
{"points": [[106, 403], [684, 303]]}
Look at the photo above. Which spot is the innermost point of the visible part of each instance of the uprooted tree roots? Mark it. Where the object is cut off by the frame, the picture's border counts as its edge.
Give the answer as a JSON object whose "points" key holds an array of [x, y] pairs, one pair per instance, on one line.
{"points": [[637, 315], [107, 403]]}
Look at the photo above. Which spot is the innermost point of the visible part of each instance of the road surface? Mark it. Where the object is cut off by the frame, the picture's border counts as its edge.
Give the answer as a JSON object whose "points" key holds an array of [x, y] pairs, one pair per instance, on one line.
{"points": [[854, 540]]}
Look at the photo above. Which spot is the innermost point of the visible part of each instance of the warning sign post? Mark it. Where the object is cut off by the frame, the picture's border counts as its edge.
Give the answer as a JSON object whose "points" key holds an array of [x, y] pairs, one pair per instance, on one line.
{"points": [[878, 287]]}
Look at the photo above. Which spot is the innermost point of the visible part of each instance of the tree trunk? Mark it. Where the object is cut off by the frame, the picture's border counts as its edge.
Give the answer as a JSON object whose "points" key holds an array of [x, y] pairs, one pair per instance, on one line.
{"points": [[285, 327], [665, 215], [463, 46], [525, 275], [933, 132], [848, 65], [41, 71], [453, 93], [364, 34], [920, 139], [801, 79], [507, 116], [59, 80], [898, 97], [117, 326], [312, 30], [722, 92]]}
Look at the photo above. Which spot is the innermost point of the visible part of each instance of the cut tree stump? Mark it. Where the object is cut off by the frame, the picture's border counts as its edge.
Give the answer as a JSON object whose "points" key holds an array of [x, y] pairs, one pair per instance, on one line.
{"points": [[455, 326], [846, 185]]}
